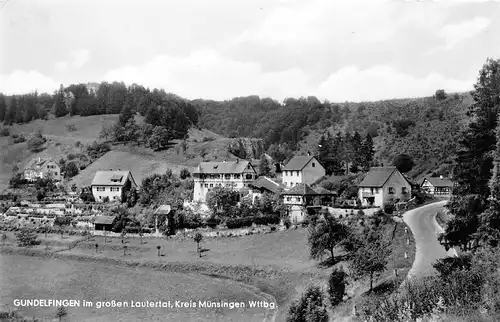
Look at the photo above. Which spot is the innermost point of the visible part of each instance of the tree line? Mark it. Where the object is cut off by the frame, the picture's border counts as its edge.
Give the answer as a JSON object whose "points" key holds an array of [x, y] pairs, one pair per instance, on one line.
{"points": [[349, 153]]}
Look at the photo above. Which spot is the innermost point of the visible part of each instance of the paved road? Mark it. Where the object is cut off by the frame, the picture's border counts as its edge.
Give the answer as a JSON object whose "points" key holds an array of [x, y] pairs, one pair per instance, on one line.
{"points": [[422, 222]]}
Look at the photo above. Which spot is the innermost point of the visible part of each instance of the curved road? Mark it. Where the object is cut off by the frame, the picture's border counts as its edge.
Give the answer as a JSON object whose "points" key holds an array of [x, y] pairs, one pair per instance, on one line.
{"points": [[422, 222]]}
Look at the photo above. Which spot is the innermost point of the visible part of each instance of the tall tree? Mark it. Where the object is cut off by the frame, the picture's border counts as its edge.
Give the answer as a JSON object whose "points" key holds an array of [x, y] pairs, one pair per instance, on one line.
{"points": [[264, 167], [126, 114], [3, 107], [357, 145], [475, 159], [325, 237], [10, 117], [60, 103], [368, 152]]}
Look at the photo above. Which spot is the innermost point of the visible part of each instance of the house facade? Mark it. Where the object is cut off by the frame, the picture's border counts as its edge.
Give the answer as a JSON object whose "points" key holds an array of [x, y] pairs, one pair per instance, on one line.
{"points": [[263, 185], [42, 168], [438, 186], [233, 175], [381, 184], [112, 185], [302, 169], [297, 199]]}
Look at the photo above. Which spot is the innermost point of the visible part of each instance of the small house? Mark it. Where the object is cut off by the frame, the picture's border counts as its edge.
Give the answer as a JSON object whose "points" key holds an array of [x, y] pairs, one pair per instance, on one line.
{"points": [[42, 168], [104, 223], [112, 185], [381, 184], [298, 199], [437, 186], [302, 169]]}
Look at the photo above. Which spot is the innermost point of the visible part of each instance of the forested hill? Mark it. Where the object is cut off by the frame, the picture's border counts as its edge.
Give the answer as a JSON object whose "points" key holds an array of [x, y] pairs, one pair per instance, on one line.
{"points": [[424, 128]]}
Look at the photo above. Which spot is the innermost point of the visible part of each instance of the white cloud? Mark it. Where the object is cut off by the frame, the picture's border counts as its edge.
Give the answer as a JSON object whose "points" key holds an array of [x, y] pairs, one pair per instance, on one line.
{"points": [[21, 82], [324, 23], [79, 59], [207, 74], [456, 33], [384, 82]]}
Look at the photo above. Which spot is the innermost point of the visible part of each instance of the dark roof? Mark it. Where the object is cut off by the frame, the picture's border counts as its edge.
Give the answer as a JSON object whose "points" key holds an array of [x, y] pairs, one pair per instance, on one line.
{"points": [[223, 167], [263, 182], [298, 163], [377, 177], [163, 210], [105, 220], [301, 189], [438, 182], [103, 178], [323, 191], [38, 162]]}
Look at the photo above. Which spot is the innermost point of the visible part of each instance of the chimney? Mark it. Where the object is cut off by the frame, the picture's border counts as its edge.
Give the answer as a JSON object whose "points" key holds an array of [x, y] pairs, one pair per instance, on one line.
{"points": [[308, 153], [441, 177], [237, 160]]}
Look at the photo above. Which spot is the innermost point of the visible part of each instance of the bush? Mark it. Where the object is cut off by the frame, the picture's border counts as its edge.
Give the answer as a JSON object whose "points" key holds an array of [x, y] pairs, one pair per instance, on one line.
{"points": [[35, 144], [212, 222], [18, 138], [336, 286], [4, 132], [71, 128], [208, 139], [440, 95], [27, 237], [185, 173], [389, 207]]}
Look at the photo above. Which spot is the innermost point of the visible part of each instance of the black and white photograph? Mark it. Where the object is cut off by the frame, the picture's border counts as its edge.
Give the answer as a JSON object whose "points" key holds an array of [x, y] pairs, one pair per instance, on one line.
{"points": [[250, 160]]}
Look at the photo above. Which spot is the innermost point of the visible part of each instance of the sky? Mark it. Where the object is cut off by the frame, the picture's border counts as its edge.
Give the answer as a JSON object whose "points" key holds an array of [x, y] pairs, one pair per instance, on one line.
{"points": [[339, 50]]}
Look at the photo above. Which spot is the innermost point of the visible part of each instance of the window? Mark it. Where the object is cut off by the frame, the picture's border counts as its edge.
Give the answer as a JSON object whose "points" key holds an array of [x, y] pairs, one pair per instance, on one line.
{"points": [[206, 185], [288, 198], [101, 189], [297, 199], [227, 176], [391, 190], [211, 185], [114, 189], [249, 177], [55, 173], [403, 190], [297, 173], [371, 191], [114, 198], [313, 164], [237, 176]]}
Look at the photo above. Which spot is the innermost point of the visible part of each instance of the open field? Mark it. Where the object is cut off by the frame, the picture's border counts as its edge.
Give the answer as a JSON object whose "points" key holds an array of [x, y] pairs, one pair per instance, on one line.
{"points": [[276, 263], [34, 278]]}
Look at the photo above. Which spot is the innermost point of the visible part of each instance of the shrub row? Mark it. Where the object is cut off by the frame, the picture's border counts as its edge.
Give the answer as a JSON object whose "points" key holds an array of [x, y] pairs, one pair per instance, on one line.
{"points": [[248, 221]]}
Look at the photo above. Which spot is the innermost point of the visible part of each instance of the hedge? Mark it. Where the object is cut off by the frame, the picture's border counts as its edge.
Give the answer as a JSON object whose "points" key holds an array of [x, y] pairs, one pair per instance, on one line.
{"points": [[248, 221]]}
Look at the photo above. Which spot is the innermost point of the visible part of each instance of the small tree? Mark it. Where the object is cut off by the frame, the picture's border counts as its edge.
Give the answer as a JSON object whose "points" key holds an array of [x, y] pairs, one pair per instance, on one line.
{"points": [[371, 257], [71, 169], [264, 167], [440, 95], [4, 238], [123, 234], [27, 237], [325, 237], [61, 312], [141, 234], [336, 286], [309, 308], [74, 187], [198, 238], [158, 247]]}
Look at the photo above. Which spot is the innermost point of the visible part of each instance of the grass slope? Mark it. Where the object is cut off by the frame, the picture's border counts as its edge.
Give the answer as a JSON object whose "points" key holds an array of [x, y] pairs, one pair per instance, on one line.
{"points": [[202, 145]]}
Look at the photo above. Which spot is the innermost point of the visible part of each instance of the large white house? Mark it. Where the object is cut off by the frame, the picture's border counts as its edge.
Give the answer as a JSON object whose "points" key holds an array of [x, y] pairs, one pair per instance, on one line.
{"points": [[112, 184], [42, 168], [381, 184], [302, 169], [229, 174]]}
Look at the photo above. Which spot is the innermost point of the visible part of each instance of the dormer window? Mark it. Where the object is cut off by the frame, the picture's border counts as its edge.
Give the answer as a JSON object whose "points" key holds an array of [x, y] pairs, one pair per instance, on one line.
{"points": [[391, 190], [313, 165]]}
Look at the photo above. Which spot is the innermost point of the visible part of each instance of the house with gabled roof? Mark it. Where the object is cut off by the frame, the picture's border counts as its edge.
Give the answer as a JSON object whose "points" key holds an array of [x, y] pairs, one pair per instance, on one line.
{"points": [[381, 184], [438, 186], [42, 168], [263, 185], [302, 169], [297, 199], [112, 185], [233, 175]]}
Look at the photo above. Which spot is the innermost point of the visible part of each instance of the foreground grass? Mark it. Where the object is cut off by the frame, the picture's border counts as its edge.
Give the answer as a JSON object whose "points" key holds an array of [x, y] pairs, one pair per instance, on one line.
{"points": [[277, 264]]}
